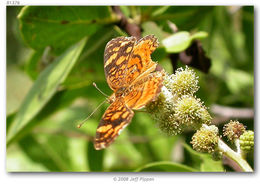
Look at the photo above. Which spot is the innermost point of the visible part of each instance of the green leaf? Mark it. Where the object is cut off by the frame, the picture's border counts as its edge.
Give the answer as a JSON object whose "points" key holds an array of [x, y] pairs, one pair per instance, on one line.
{"points": [[61, 26], [44, 88], [204, 161], [40, 153], [210, 165], [180, 41], [150, 27], [199, 35], [31, 67], [62, 99], [90, 67], [165, 166], [184, 17], [9, 120], [95, 158], [177, 42], [152, 11]]}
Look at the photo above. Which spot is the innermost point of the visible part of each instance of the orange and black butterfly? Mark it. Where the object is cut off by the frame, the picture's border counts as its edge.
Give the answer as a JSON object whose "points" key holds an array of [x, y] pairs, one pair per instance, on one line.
{"points": [[135, 79]]}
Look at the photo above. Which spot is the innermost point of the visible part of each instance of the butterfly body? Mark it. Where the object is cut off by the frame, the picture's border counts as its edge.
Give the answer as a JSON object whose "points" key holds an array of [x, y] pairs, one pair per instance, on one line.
{"points": [[135, 79]]}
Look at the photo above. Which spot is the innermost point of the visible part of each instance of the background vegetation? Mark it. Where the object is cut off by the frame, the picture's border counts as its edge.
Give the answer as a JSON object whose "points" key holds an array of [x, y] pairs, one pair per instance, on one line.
{"points": [[55, 53]]}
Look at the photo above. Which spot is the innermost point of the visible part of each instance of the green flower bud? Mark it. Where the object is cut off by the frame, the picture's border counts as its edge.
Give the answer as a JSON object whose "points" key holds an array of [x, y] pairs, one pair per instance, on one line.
{"points": [[191, 112], [183, 82], [162, 110], [205, 139], [170, 128], [176, 109], [233, 130], [163, 105], [217, 155], [155, 107], [246, 141]]}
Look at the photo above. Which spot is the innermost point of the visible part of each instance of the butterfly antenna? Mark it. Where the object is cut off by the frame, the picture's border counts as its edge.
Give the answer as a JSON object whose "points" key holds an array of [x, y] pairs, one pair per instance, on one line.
{"points": [[79, 125], [94, 84]]}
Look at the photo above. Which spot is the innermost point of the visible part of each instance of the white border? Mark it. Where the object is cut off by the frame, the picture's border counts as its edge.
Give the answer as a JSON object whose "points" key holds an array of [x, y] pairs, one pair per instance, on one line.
{"points": [[32, 179]]}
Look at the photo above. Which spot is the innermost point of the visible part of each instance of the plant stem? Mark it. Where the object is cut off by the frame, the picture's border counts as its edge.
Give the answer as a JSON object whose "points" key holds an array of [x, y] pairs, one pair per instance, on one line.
{"points": [[237, 146], [234, 156], [131, 28]]}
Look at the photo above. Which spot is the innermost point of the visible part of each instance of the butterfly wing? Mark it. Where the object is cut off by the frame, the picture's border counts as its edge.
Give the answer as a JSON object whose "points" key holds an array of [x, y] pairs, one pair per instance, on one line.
{"points": [[126, 63], [140, 64], [117, 54], [144, 91], [115, 119]]}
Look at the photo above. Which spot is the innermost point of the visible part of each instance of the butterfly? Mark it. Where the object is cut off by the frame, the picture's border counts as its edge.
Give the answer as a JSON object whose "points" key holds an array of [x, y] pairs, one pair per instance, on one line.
{"points": [[135, 80]]}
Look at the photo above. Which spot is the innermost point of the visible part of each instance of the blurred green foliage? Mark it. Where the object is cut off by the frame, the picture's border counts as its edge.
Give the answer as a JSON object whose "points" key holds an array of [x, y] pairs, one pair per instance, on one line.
{"points": [[55, 53]]}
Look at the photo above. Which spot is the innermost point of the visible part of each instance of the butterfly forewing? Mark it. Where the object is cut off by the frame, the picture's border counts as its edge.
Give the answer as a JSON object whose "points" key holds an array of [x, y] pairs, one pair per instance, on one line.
{"points": [[116, 57], [140, 60]]}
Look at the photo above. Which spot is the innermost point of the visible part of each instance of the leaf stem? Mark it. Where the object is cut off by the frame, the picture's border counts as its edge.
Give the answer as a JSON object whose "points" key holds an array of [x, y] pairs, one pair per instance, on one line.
{"points": [[234, 156]]}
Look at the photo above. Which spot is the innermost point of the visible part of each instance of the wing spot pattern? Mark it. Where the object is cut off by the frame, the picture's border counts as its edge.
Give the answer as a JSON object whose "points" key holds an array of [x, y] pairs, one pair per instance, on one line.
{"points": [[104, 128], [116, 49], [120, 60], [110, 59]]}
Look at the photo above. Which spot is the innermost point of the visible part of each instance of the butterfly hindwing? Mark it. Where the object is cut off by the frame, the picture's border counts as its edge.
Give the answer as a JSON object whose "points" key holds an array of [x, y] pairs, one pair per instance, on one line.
{"points": [[144, 91], [115, 119]]}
